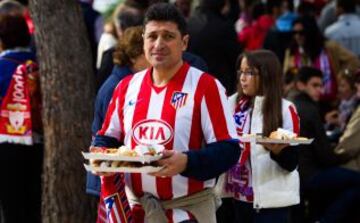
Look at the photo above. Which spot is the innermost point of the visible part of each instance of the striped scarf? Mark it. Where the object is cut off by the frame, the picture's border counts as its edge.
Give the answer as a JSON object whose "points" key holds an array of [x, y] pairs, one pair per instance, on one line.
{"points": [[113, 206]]}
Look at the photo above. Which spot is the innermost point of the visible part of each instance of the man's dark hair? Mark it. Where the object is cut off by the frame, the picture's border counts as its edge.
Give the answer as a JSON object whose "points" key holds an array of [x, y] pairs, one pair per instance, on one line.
{"points": [[166, 12], [349, 6], [306, 73], [14, 31]]}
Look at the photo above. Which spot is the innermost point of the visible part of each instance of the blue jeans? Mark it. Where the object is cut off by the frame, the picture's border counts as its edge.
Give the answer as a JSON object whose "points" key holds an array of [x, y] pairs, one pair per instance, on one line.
{"points": [[334, 194], [245, 213]]}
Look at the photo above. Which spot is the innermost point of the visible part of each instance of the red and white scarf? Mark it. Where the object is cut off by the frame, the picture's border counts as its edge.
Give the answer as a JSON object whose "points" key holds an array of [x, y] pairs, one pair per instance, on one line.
{"points": [[239, 177], [15, 111]]}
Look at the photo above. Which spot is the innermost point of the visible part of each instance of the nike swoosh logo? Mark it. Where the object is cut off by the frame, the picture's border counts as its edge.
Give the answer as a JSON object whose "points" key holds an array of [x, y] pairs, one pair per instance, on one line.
{"points": [[133, 102]]}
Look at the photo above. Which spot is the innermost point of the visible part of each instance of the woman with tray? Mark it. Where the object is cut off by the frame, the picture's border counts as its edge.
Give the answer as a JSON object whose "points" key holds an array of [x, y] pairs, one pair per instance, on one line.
{"points": [[265, 182]]}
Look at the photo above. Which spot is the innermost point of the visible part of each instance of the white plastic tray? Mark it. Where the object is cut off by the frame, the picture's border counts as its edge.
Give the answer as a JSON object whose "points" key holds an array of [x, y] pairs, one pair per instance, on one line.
{"points": [[143, 169], [116, 157], [259, 139]]}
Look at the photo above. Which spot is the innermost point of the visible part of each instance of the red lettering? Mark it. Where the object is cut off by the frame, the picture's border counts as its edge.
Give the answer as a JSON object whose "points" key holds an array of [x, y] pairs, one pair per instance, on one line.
{"points": [[151, 132], [160, 134], [142, 132]]}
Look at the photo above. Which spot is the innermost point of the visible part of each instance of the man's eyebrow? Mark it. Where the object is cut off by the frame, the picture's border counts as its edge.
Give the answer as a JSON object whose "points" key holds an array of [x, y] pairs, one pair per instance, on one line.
{"points": [[160, 31]]}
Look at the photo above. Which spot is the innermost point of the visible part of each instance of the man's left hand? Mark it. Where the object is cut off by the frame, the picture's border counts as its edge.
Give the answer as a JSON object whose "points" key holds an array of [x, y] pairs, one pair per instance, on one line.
{"points": [[173, 163]]}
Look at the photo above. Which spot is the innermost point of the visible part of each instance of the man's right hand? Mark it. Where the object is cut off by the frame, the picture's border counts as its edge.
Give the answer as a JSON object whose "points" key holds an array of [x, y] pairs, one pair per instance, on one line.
{"points": [[173, 163]]}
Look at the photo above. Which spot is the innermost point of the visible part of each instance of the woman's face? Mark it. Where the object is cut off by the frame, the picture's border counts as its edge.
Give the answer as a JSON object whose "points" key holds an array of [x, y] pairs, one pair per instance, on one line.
{"points": [[249, 78], [298, 32], [345, 91]]}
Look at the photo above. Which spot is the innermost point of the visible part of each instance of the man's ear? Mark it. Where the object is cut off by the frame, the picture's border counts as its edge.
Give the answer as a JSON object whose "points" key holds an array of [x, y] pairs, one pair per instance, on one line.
{"points": [[185, 40]]}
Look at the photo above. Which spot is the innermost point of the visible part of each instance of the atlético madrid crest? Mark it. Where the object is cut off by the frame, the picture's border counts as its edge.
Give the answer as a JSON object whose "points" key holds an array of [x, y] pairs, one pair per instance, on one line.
{"points": [[178, 99]]}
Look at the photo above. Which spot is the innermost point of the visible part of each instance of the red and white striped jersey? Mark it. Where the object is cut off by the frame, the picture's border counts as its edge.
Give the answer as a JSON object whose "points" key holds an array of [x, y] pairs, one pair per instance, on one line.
{"points": [[190, 111]]}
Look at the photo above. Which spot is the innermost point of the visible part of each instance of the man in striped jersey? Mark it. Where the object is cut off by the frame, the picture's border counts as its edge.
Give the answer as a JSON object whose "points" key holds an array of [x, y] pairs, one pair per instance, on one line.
{"points": [[182, 108]]}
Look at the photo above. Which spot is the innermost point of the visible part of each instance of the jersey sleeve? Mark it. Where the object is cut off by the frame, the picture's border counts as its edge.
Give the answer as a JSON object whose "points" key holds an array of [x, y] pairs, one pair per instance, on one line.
{"points": [[111, 126], [291, 120], [216, 118]]}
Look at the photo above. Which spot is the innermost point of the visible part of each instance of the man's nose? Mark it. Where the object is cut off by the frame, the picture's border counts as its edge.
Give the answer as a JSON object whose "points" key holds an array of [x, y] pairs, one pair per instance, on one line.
{"points": [[159, 43]]}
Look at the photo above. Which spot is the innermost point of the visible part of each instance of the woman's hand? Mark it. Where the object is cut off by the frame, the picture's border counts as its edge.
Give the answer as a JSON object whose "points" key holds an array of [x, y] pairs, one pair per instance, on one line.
{"points": [[274, 147]]}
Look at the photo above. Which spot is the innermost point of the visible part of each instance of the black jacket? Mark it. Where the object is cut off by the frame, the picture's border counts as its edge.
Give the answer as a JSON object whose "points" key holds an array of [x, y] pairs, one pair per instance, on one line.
{"points": [[213, 38], [319, 155]]}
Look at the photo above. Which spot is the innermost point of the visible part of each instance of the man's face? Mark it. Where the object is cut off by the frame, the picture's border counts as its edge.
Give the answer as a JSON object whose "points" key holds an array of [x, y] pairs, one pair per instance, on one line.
{"points": [[163, 44], [313, 88]]}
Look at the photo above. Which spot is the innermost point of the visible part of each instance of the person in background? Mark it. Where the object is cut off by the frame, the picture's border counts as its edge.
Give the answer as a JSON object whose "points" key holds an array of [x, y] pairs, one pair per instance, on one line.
{"points": [[349, 141], [327, 15], [184, 7], [310, 48], [213, 38], [124, 17], [91, 19], [346, 30], [279, 36], [264, 183], [191, 109], [245, 18], [20, 191], [253, 38], [337, 119], [333, 192], [113, 28]]}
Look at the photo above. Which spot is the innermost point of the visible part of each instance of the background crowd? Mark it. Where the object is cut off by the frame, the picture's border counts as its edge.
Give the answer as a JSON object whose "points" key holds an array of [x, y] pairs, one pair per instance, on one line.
{"points": [[317, 44]]}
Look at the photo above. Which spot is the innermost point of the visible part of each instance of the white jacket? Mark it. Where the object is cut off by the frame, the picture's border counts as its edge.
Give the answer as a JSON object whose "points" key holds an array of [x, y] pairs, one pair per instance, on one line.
{"points": [[273, 186]]}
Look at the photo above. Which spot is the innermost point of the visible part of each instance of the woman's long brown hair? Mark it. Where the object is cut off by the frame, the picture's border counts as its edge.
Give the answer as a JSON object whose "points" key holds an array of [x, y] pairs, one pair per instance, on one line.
{"points": [[270, 86]]}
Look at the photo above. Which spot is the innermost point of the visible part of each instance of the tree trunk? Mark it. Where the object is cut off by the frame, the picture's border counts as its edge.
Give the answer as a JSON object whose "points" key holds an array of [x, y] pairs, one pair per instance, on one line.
{"points": [[67, 82]]}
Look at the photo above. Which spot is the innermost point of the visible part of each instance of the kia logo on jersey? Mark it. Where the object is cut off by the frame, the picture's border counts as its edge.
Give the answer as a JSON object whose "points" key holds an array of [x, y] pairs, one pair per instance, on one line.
{"points": [[152, 132]]}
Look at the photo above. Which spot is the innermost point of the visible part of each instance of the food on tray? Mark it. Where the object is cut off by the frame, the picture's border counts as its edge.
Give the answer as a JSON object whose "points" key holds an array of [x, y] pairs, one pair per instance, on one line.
{"points": [[282, 134], [139, 150], [115, 164], [123, 151]]}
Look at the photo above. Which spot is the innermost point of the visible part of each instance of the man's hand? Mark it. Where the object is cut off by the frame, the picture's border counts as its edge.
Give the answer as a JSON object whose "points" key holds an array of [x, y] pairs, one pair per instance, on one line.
{"points": [[105, 174], [332, 117], [275, 148], [172, 162]]}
